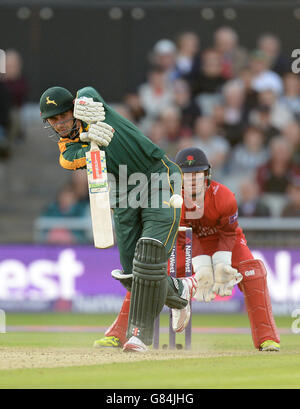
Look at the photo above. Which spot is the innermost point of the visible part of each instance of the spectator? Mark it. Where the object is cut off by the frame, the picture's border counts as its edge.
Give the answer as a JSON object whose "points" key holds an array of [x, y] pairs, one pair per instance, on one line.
{"points": [[250, 204], [188, 57], [156, 94], [291, 95], [274, 176], [262, 77], [65, 206], [250, 154], [292, 208], [79, 184], [271, 46], [235, 115], [207, 85], [233, 57], [184, 101], [209, 80], [291, 132], [164, 57], [5, 105], [246, 76], [18, 89], [123, 110], [157, 134], [218, 114], [215, 147]]}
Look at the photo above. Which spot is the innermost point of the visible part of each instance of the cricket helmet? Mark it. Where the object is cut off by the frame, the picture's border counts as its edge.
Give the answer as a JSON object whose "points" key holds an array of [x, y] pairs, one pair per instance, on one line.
{"points": [[193, 160], [55, 101]]}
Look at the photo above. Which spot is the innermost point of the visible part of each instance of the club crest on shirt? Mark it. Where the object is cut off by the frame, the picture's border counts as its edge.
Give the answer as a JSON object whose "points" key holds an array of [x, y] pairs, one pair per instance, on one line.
{"points": [[190, 160], [215, 189]]}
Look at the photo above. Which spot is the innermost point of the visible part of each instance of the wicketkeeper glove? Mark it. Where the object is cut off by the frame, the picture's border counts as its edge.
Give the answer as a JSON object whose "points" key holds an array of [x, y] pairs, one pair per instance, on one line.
{"points": [[88, 111], [203, 270], [100, 133], [226, 277]]}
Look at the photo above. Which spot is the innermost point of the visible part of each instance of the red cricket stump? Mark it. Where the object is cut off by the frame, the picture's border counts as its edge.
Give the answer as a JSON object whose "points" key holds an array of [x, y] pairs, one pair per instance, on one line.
{"points": [[258, 303]]}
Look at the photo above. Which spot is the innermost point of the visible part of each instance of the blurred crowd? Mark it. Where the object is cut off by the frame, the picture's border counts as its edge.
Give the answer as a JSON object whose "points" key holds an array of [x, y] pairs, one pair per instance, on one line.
{"points": [[72, 201], [13, 96]]}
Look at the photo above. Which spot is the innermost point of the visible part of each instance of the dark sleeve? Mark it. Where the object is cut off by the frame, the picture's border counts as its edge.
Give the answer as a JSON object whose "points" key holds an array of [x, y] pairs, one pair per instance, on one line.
{"points": [[90, 92]]}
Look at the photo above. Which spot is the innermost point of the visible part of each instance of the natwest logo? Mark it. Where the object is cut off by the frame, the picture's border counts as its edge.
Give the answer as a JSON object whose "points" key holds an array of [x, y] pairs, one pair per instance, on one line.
{"points": [[42, 279]]}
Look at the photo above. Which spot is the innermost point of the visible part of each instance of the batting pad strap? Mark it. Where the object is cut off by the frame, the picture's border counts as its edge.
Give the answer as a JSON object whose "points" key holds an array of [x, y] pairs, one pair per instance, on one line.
{"points": [[125, 279], [258, 302]]}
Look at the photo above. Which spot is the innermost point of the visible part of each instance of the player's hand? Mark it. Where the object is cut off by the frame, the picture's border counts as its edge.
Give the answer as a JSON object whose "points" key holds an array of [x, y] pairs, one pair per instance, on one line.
{"points": [[88, 111], [100, 133], [203, 270], [226, 277]]}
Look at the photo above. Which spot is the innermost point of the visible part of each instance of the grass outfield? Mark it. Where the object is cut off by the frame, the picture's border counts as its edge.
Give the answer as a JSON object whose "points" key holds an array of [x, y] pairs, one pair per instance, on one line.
{"points": [[222, 356]]}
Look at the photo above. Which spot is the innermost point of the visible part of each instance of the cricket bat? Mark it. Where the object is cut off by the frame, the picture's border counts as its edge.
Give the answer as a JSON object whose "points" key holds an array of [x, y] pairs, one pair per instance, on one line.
{"points": [[99, 197]]}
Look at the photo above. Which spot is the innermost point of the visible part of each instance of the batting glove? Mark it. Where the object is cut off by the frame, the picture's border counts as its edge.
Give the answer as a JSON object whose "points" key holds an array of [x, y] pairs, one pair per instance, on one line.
{"points": [[100, 133], [88, 111], [203, 270], [226, 277]]}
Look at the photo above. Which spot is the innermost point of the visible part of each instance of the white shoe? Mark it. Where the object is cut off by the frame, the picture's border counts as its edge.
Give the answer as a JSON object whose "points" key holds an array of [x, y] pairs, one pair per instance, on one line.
{"points": [[181, 318], [134, 344], [119, 275]]}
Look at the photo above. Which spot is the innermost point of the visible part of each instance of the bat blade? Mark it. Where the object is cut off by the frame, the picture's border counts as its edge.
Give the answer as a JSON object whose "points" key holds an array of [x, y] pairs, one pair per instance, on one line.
{"points": [[99, 198]]}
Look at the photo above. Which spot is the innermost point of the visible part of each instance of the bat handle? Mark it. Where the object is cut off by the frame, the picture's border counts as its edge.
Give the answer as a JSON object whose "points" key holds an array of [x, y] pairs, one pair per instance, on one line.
{"points": [[94, 146]]}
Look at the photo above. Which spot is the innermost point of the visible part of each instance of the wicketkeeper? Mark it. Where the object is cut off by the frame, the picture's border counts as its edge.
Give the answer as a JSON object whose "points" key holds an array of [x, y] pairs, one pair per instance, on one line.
{"points": [[221, 257], [145, 234]]}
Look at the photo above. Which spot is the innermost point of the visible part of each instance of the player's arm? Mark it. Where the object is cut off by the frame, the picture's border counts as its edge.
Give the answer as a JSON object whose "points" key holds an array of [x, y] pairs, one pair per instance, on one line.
{"points": [[184, 223], [227, 209], [90, 92], [225, 275], [89, 109]]}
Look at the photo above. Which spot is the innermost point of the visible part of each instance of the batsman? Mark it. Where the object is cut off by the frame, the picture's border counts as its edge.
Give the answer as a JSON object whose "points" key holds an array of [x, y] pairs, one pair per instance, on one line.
{"points": [[145, 233]]}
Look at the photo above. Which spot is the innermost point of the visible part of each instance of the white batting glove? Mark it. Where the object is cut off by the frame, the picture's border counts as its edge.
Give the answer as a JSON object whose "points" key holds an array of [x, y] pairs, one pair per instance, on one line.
{"points": [[88, 111], [226, 277], [203, 270], [100, 133]]}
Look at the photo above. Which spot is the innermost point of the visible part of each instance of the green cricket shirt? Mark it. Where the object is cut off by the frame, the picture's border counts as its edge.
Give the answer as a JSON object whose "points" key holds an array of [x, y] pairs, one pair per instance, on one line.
{"points": [[129, 146]]}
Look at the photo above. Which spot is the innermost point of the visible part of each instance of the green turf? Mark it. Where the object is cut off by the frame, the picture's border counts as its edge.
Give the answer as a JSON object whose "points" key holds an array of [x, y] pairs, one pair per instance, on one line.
{"points": [[245, 368]]}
